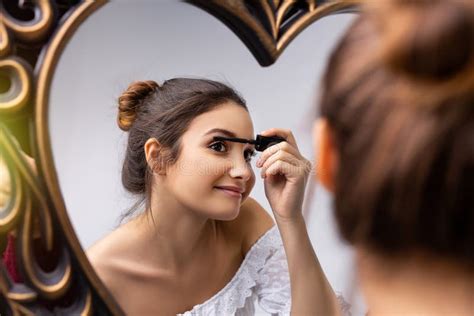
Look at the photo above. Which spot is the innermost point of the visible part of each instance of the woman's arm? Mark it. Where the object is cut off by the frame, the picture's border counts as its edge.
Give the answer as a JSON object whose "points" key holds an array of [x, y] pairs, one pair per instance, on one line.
{"points": [[310, 291], [286, 172]]}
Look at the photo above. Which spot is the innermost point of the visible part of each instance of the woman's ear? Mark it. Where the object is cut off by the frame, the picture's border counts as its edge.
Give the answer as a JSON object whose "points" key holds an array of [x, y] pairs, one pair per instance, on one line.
{"points": [[153, 155], [327, 158]]}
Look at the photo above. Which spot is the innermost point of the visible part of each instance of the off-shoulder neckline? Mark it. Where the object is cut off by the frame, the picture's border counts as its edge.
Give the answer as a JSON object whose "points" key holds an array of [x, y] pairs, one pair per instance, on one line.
{"points": [[247, 257]]}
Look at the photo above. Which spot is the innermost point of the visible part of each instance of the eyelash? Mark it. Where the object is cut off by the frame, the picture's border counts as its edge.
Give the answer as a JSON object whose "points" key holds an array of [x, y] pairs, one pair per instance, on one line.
{"points": [[252, 153]]}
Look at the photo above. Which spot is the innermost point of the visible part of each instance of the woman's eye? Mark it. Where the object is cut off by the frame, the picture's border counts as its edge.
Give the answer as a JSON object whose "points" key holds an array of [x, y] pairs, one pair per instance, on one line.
{"points": [[218, 146], [249, 155]]}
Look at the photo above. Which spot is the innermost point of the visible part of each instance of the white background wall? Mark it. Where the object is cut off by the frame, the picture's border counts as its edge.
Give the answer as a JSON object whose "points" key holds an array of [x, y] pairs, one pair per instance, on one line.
{"points": [[139, 40]]}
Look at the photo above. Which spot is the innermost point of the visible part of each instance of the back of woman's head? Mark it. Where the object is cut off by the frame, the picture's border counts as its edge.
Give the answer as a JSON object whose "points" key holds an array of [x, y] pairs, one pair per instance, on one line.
{"points": [[399, 98], [149, 110]]}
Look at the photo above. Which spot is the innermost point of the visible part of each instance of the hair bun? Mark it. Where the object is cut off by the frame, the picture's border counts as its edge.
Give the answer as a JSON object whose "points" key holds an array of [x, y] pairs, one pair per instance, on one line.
{"points": [[131, 99], [431, 40]]}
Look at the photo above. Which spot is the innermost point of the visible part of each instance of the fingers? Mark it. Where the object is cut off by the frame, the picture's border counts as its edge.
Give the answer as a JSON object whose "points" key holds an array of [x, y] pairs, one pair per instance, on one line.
{"points": [[279, 167], [285, 133], [291, 167], [285, 168], [279, 156], [283, 146], [283, 157]]}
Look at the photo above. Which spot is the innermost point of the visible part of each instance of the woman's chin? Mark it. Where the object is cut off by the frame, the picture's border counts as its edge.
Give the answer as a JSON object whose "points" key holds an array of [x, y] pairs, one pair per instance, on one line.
{"points": [[226, 215]]}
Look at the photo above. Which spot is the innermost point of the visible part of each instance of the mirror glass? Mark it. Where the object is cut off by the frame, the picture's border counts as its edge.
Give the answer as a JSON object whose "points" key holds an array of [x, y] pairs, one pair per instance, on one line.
{"points": [[123, 42]]}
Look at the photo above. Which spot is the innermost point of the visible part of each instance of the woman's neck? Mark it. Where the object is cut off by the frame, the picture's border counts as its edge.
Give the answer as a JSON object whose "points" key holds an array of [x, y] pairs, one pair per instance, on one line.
{"points": [[172, 235], [415, 285]]}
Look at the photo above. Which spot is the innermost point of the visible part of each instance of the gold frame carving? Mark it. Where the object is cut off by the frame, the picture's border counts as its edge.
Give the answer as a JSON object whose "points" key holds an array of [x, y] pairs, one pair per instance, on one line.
{"points": [[29, 52], [267, 27]]}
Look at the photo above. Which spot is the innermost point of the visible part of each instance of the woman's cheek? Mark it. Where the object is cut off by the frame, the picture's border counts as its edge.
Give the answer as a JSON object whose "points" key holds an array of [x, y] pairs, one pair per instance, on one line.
{"points": [[249, 186]]}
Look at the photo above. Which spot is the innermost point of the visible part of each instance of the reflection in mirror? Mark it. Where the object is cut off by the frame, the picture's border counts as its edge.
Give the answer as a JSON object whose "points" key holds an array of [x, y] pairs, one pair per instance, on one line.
{"points": [[124, 42]]}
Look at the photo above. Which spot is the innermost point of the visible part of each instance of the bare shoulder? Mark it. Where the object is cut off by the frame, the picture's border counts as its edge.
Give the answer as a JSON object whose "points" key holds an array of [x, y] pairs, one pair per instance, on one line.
{"points": [[99, 254], [253, 221], [257, 221], [107, 257]]}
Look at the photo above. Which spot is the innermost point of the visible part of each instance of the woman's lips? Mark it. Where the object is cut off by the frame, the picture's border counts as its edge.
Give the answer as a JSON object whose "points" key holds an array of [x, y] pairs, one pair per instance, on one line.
{"points": [[231, 193]]}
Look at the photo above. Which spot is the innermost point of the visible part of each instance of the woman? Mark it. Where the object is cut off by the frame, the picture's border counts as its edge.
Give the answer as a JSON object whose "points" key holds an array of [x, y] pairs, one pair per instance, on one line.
{"points": [[202, 246], [397, 150]]}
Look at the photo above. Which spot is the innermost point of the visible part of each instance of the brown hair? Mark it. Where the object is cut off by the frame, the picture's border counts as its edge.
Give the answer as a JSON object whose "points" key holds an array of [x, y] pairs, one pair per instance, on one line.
{"points": [[398, 94], [148, 110]]}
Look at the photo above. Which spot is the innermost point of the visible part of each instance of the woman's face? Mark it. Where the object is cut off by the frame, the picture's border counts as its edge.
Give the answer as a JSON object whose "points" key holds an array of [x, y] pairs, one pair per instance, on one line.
{"points": [[211, 177]]}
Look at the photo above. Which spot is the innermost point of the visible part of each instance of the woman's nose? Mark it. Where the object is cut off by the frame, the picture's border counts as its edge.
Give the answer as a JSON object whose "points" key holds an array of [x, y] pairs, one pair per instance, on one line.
{"points": [[241, 169]]}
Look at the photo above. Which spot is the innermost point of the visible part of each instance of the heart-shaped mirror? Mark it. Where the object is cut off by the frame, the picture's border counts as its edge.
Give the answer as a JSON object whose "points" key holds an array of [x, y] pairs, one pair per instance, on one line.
{"points": [[97, 49]]}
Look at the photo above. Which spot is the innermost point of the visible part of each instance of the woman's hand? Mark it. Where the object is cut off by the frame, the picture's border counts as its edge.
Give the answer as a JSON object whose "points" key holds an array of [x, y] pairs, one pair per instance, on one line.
{"points": [[285, 172]]}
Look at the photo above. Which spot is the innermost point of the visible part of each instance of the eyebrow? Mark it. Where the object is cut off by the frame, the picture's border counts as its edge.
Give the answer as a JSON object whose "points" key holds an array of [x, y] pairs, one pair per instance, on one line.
{"points": [[222, 131], [228, 133]]}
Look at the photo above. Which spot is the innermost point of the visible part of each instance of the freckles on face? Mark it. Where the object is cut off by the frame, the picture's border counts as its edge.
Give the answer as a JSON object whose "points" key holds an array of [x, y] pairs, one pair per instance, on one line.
{"points": [[205, 164]]}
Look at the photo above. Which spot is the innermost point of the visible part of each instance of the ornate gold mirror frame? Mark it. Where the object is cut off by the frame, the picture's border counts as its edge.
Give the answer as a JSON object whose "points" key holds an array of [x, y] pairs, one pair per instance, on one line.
{"points": [[56, 275]]}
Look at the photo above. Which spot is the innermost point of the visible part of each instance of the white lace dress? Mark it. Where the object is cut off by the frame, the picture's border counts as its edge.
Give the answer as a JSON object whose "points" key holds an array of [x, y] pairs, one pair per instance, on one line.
{"points": [[263, 276]]}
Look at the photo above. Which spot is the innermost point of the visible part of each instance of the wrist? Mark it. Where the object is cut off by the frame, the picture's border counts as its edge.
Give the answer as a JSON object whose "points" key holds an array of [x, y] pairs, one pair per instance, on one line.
{"points": [[297, 218]]}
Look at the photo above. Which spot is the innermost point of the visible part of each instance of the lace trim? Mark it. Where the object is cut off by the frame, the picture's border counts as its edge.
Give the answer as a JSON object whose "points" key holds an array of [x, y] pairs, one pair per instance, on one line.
{"points": [[235, 293], [344, 305]]}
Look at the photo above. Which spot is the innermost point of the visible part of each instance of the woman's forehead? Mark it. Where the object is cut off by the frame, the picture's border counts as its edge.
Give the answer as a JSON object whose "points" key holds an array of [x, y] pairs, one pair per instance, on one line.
{"points": [[229, 117]]}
